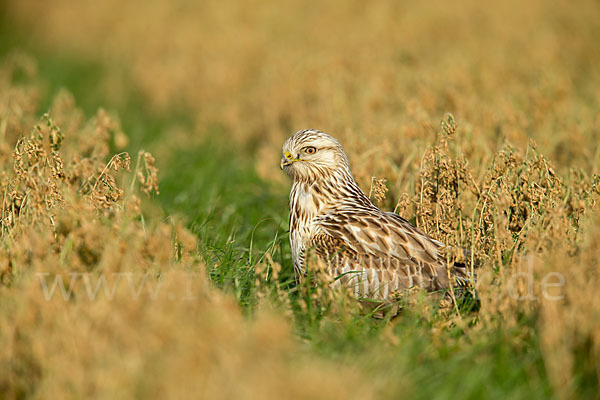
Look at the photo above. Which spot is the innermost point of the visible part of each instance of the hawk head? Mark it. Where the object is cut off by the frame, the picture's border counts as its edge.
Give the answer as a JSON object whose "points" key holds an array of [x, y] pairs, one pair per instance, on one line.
{"points": [[311, 155]]}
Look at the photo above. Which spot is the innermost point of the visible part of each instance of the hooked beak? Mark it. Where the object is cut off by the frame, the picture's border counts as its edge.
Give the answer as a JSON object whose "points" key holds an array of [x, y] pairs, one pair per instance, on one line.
{"points": [[285, 162], [288, 159]]}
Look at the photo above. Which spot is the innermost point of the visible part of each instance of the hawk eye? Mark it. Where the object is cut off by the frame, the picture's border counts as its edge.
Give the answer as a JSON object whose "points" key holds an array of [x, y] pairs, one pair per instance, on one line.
{"points": [[310, 150]]}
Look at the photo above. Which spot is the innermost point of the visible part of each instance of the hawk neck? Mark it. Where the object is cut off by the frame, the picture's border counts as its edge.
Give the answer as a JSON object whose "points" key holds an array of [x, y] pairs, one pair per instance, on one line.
{"points": [[309, 199]]}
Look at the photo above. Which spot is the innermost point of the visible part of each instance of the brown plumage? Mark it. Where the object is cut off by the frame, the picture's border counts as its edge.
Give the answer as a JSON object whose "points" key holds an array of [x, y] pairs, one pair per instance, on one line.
{"points": [[374, 252]]}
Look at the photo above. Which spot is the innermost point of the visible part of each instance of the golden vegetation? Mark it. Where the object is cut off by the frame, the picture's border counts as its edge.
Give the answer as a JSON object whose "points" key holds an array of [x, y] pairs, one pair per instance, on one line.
{"points": [[509, 175], [96, 301], [379, 73]]}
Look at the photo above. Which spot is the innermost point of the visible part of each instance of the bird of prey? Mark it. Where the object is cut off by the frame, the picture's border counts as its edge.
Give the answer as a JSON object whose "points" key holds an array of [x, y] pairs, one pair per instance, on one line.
{"points": [[375, 253]]}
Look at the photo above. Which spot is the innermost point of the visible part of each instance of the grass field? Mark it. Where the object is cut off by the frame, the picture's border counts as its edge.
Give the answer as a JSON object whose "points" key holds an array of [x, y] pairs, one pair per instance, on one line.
{"points": [[139, 150]]}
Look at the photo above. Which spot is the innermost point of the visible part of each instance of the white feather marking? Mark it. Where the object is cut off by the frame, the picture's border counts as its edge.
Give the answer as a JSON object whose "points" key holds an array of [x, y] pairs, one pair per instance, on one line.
{"points": [[375, 281], [386, 290]]}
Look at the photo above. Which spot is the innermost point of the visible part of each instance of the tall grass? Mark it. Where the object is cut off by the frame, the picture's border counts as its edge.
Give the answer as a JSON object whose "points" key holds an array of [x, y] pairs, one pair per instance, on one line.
{"points": [[204, 302]]}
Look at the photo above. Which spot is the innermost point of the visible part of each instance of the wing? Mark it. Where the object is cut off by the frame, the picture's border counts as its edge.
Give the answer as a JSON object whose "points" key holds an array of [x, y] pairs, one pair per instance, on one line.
{"points": [[379, 252]]}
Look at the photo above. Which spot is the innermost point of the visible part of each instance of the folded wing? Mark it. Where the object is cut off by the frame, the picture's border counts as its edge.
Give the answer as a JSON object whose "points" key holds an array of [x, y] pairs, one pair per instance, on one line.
{"points": [[378, 253]]}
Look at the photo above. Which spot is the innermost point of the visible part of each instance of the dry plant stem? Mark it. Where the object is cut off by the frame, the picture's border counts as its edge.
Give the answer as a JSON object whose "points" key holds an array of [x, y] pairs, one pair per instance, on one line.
{"points": [[106, 167]]}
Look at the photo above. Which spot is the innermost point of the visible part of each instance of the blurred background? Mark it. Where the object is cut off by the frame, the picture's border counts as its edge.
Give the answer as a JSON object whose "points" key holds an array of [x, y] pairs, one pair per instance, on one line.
{"points": [[224, 83], [375, 75], [213, 88]]}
